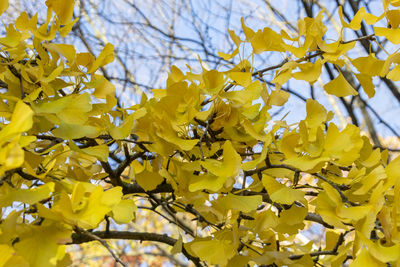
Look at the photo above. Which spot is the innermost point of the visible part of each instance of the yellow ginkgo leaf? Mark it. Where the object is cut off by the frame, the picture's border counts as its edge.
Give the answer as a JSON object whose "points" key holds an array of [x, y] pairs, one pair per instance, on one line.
{"points": [[291, 220], [149, 180], [84, 59], [64, 9], [22, 22], [267, 40], [175, 76], [394, 74], [370, 180], [247, 31], [368, 65], [28, 196], [241, 78], [230, 165], [74, 131], [21, 121], [287, 195], [111, 197], [213, 251], [125, 129], [334, 50], [54, 74], [253, 164], [280, 193], [316, 113], [3, 6], [214, 81], [235, 38], [278, 97], [285, 73], [6, 253], [306, 163], [240, 203], [366, 83], [393, 171], [393, 35], [228, 56], [86, 208], [66, 29], [353, 213], [106, 56], [39, 244], [361, 14], [100, 151], [11, 156], [177, 248], [344, 146], [13, 37], [393, 17], [339, 87], [167, 133], [395, 3], [68, 51], [124, 211], [243, 97], [206, 182], [309, 72], [379, 252], [104, 89], [45, 32], [363, 258]]}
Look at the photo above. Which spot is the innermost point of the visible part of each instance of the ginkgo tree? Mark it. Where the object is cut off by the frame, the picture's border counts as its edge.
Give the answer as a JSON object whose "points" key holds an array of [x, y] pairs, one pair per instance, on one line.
{"points": [[239, 188]]}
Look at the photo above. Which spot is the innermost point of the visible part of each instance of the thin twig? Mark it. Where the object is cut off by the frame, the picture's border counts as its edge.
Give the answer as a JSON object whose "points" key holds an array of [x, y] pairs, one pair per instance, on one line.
{"points": [[103, 242], [209, 122], [337, 187], [306, 58], [314, 254], [83, 237]]}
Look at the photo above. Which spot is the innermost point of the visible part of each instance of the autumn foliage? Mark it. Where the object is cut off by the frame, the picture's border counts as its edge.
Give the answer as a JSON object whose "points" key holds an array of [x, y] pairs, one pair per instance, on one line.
{"points": [[71, 160]]}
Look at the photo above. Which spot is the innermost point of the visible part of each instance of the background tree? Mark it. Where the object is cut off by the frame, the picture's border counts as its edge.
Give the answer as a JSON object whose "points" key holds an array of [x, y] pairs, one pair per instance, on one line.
{"points": [[158, 34], [204, 156]]}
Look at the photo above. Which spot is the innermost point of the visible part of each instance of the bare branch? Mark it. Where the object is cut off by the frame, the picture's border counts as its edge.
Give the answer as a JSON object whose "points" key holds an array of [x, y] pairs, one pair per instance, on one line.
{"points": [[85, 236], [93, 236]]}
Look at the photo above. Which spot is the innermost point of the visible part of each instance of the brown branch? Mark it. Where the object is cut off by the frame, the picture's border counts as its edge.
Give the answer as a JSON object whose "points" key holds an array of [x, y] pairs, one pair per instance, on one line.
{"points": [[103, 137], [128, 160], [204, 135], [83, 237], [3, 85], [337, 187], [177, 223], [392, 87], [314, 254], [389, 83], [25, 175], [103, 242], [388, 149], [306, 58], [334, 251], [370, 37], [313, 217], [137, 189]]}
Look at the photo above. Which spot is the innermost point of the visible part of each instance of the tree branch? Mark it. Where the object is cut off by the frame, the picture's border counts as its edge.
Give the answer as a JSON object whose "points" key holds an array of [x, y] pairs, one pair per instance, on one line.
{"points": [[103, 242], [84, 237]]}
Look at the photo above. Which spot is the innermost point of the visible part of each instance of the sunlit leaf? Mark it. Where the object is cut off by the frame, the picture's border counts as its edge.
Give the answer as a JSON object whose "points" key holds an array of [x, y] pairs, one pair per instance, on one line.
{"points": [[339, 87]]}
